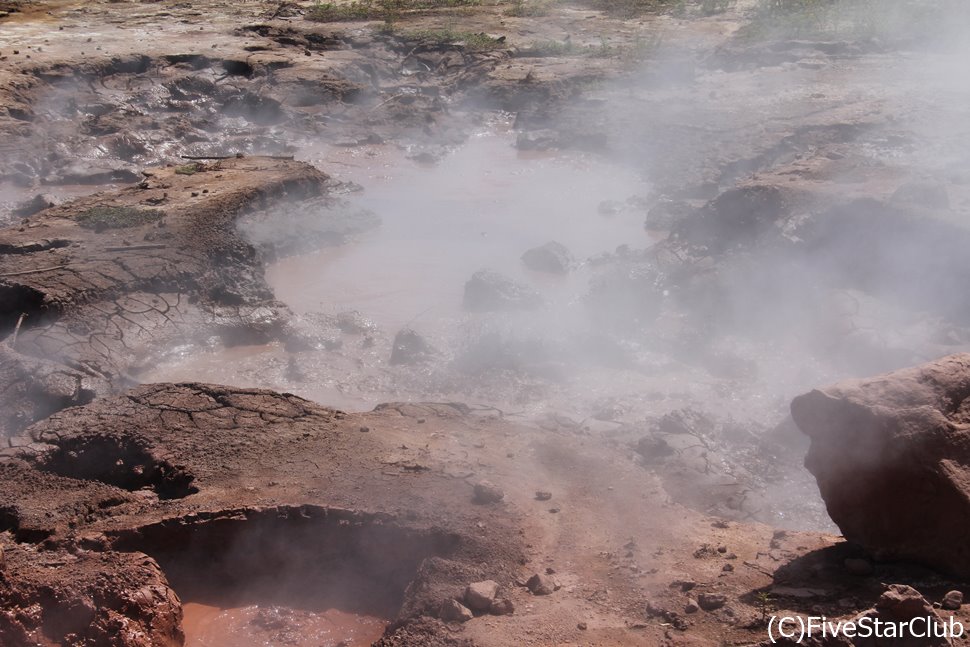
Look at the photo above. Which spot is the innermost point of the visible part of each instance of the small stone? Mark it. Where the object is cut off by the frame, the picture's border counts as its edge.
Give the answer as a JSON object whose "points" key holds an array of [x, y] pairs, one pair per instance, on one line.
{"points": [[582, 626], [454, 611], [542, 495], [364, 430], [486, 492], [501, 607], [711, 601], [540, 584], [691, 607], [903, 602], [858, 566], [479, 595], [727, 568], [951, 601], [722, 549]]}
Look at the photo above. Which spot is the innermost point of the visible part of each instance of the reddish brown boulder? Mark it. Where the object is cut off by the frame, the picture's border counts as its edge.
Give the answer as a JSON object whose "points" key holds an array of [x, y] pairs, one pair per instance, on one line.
{"points": [[86, 598], [891, 455]]}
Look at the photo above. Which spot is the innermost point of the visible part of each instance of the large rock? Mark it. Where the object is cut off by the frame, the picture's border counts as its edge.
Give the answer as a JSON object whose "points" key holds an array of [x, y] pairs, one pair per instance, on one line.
{"points": [[891, 455]]}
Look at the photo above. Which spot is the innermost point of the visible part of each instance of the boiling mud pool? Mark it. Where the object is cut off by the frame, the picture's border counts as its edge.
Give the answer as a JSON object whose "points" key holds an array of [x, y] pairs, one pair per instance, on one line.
{"points": [[480, 207], [255, 626]]}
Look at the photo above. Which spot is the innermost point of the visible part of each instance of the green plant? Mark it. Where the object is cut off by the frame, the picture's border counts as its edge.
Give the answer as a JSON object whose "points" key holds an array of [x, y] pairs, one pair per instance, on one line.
{"points": [[764, 604], [333, 12], [100, 218], [188, 169], [472, 41], [630, 8], [387, 10], [529, 8], [927, 19], [549, 48], [711, 7]]}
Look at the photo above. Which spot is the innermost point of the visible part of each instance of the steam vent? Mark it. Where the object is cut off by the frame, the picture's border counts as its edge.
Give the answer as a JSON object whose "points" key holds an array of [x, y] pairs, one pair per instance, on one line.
{"points": [[468, 323]]}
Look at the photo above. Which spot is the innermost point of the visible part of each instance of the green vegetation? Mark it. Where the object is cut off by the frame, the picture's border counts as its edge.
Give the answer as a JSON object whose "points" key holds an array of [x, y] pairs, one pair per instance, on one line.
{"points": [[551, 48], [765, 605], [379, 9], [530, 8], [100, 218], [188, 169], [857, 18], [472, 41], [640, 49]]}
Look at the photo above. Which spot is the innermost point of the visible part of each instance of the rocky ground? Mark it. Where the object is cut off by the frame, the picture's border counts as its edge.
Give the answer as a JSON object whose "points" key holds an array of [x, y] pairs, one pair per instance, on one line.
{"points": [[639, 483]]}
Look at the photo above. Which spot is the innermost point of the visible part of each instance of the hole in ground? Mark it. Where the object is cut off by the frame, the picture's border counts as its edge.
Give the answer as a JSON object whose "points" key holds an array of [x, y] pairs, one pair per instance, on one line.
{"points": [[123, 461], [303, 575], [16, 300]]}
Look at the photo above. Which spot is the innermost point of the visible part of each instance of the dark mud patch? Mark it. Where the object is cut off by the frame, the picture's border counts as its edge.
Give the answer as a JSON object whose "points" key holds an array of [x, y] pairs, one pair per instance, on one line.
{"points": [[128, 462], [301, 557]]}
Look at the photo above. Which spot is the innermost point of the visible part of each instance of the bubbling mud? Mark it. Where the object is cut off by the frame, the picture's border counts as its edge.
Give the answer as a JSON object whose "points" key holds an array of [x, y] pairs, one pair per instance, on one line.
{"points": [[210, 626]]}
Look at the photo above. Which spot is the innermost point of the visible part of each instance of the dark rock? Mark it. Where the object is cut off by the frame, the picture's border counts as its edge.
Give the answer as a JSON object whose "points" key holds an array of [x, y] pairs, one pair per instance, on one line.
{"points": [[928, 195], [951, 601], [353, 322], [691, 607], [538, 140], [488, 291], [858, 566], [890, 456], [552, 257], [543, 496], [454, 611], [410, 348], [582, 626], [609, 208], [711, 601], [486, 492], [540, 584], [501, 607], [479, 595], [39, 202], [666, 213], [738, 215]]}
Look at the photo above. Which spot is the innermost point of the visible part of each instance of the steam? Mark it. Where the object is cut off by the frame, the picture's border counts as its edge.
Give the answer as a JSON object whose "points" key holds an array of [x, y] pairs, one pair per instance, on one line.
{"points": [[804, 178]]}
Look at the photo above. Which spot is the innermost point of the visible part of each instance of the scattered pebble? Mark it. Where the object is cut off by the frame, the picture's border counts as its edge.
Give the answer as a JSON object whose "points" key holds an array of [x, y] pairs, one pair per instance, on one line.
{"points": [[540, 584], [952, 600], [501, 607], [454, 611], [486, 492], [479, 595], [711, 601]]}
